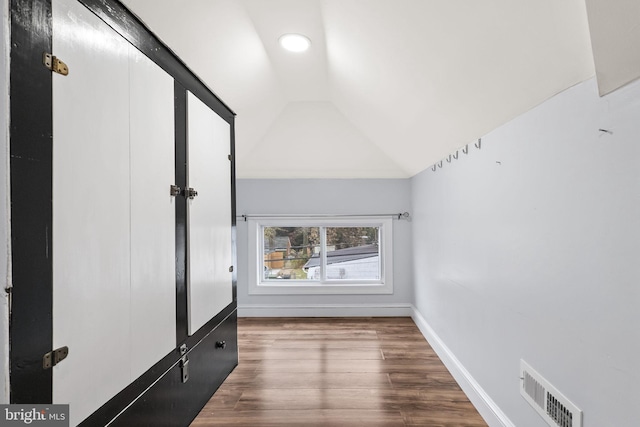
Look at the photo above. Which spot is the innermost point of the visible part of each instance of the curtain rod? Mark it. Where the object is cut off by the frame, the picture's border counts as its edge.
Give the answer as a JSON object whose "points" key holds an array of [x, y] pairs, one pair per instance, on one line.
{"points": [[403, 215]]}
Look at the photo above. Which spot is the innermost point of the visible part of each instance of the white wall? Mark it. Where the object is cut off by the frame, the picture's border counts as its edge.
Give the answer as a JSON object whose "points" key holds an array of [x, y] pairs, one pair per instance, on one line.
{"points": [[615, 41], [4, 205], [530, 247], [321, 196]]}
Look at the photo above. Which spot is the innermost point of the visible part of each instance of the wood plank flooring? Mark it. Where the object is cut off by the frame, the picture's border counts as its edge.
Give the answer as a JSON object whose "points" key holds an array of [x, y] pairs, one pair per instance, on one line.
{"points": [[337, 372]]}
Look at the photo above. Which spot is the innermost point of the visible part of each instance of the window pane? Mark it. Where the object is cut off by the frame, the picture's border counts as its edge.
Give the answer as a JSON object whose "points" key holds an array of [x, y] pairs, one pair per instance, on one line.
{"points": [[287, 250], [353, 253]]}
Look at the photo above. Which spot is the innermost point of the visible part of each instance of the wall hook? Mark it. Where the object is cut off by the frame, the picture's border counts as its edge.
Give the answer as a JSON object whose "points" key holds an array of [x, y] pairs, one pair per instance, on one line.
{"points": [[440, 164], [455, 156], [434, 167], [449, 159], [465, 150], [479, 143]]}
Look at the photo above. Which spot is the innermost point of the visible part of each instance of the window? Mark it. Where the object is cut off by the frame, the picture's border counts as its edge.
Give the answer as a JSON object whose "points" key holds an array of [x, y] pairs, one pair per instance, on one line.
{"points": [[320, 255]]}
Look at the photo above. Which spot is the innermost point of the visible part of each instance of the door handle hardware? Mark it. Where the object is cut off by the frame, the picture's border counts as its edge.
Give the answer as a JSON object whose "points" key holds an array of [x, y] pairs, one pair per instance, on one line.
{"points": [[190, 193]]}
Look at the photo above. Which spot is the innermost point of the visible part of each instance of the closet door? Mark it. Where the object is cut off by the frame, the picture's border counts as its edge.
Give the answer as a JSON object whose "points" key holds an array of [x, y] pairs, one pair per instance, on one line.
{"points": [[91, 210], [113, 215], [209, 279], [153, 213]]}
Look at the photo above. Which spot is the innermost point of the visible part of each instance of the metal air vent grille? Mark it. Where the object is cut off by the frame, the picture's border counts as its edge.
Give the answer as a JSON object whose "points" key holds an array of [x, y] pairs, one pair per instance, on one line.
{"points": [[556, 409]]}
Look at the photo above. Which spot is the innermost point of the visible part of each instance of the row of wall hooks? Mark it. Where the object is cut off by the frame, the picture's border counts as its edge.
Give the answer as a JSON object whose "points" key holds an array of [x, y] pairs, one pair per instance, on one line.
{"points": [[456, 155]]}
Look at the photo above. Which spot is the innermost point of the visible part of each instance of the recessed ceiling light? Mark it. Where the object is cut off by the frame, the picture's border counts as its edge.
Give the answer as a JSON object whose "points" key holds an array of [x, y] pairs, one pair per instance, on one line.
{"points": [[294, 42]]}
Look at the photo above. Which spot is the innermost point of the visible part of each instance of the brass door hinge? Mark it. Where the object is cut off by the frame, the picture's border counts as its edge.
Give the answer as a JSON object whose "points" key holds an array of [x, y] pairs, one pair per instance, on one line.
{"points": [[54, 357], [54, 64]]}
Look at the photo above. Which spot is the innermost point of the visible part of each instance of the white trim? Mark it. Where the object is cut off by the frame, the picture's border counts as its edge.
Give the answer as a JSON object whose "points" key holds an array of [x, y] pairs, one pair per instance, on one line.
{"points": [[334, 287], [487, 408], [325, 310]]}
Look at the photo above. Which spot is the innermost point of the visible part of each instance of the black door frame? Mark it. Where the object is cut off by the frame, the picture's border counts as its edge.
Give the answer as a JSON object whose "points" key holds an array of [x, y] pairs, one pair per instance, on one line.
{"points": [[31, 138]]}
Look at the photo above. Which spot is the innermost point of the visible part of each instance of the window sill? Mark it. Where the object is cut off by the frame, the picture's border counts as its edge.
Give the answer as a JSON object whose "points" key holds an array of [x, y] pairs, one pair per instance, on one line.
{"points": [[339, 287], [321, 289]]}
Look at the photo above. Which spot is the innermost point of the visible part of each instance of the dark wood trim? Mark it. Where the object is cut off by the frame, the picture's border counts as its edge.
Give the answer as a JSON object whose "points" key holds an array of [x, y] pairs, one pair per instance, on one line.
{"points": [[234, 235], [31, 323], [31, 208], [182, 326], [199, 335], [158, 397], [131, 28], [172, 403]]}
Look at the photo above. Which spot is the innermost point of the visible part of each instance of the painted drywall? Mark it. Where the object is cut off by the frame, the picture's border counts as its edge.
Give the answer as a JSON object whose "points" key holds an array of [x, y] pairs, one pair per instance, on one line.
{"points": [[528, 248], [4, 204], [326, 196], [615, 41]]}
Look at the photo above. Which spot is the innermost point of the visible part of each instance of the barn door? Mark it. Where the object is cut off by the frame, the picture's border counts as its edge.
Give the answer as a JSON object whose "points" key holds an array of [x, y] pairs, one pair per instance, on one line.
{"points": [[113, 215], [209, 270]]}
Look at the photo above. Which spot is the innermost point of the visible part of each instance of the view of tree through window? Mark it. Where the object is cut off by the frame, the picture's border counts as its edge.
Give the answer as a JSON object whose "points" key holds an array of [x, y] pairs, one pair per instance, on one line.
{"points": [[287, 249], [295, 253]]}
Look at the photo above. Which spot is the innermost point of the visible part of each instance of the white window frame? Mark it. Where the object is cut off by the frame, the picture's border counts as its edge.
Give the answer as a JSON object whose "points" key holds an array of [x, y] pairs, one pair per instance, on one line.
{"points": [[259, 286]]}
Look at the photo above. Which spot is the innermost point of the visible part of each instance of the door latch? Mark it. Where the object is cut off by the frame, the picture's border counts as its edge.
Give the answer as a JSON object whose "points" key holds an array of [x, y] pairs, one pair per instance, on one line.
{"points": [[184, 363], [174, 190], [190, 193]]}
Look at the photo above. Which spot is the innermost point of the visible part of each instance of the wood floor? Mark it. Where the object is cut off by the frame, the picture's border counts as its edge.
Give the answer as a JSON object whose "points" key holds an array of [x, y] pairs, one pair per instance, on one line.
{"points": [[337, 372]]}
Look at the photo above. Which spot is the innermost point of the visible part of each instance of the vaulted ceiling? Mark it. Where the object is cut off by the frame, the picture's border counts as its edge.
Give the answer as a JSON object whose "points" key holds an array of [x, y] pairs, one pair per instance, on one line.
{"points": [[387, 88]]}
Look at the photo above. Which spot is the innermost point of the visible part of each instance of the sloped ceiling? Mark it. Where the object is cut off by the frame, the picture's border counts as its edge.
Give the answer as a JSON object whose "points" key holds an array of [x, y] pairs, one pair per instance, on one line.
{"points": [[387, 88], [615, 38]]}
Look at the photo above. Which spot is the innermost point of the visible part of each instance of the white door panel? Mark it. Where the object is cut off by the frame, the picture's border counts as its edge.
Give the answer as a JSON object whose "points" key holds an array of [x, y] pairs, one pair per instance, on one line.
{"points": [[209, 214], [91, 211], [114, 294], [153, 278]]}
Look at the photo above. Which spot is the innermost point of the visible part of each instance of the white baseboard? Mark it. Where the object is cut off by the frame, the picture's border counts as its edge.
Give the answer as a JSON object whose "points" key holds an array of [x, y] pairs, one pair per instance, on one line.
{"points": [[487, 408], [326, 310]]}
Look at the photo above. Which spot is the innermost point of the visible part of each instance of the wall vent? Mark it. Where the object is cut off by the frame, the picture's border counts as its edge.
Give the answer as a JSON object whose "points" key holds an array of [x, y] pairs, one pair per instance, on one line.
{"points": [[556, 409]]}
